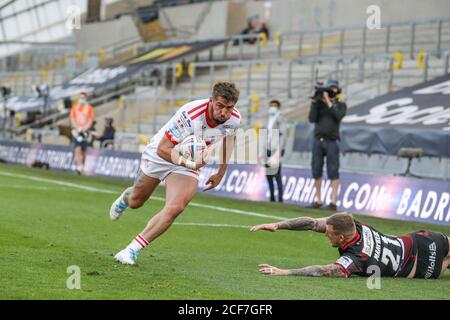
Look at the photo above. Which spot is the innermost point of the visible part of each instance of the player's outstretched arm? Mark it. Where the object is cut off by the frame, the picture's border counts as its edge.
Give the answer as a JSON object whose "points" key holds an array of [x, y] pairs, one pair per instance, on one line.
{"points": [[299, 224], [329, 270]]}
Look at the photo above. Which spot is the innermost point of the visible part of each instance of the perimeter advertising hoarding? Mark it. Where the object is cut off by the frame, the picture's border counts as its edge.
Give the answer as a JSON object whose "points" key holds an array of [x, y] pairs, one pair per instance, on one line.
{"points": [[387, 197]]}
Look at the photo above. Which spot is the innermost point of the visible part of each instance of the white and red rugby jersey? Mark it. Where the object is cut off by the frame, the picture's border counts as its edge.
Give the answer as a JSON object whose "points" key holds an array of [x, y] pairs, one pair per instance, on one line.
{"points": [[193, 118]]}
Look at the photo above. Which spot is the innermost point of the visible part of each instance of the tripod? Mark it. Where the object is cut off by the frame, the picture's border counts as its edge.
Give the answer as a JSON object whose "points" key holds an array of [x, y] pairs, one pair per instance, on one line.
{"points": [[410, 154]]}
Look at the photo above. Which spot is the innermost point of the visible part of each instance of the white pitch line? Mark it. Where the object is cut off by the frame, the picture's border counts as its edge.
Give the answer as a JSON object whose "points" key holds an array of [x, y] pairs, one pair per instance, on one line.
{"points": [[247, 213], [216, 225], [92, 189], [5, 186], [58, 182]]}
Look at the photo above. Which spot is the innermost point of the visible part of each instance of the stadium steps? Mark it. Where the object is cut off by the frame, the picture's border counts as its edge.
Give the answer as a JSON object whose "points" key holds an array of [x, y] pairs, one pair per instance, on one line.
{"points": [[427, 167], [296, 106], [425, 34], [354, 163], [426, 39]]}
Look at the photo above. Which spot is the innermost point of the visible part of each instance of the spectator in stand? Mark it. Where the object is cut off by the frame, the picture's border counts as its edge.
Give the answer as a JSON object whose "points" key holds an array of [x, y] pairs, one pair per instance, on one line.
{"points": [[250, 29], [264, 29], [107, 137]]}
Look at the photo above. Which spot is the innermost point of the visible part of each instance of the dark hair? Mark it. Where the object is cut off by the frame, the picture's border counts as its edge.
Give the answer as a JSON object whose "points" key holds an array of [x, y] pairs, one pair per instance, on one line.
{"points": [[342, 222], [83, 93], [278, 103], [227, 90]]}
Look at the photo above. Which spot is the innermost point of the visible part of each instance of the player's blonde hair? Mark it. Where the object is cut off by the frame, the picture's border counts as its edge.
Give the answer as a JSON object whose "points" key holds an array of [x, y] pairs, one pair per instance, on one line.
{"points": [[342, 222], [227, 90]]}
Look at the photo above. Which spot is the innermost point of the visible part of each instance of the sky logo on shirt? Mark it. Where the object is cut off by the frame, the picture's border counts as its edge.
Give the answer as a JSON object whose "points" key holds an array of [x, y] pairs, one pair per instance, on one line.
{"points": [[345, 261]]}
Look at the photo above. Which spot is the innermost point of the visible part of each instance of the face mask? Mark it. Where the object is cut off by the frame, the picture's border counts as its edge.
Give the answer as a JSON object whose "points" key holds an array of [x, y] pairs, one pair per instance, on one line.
{"points": [[82, 101], [273, 111]]}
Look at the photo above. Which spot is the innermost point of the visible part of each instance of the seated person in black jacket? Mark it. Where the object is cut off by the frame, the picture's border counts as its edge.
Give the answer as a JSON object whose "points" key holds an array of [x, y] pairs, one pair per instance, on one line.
{"points": [[108, 133], [249, 30]]}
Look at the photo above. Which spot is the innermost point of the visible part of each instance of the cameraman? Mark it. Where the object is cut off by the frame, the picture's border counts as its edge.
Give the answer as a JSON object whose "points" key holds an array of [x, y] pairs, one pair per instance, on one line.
{"points": [[326, 113], [81, 119]]}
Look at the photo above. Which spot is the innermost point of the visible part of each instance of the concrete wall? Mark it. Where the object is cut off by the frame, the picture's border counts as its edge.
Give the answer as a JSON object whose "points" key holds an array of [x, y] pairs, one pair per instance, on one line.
{"points": [[110, 11], [237, 17], [182, 18], [306, 14], [215, 19], [220, 18], [214, 23], [102, 34], [289, 15]]}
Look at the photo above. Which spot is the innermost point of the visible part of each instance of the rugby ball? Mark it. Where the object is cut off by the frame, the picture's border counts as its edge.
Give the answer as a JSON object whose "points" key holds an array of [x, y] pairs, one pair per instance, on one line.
{"points": [[192, 147]]}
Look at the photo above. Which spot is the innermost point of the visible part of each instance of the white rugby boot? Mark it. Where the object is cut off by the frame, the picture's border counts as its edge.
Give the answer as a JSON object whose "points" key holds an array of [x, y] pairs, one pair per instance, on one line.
{"points": [[118, 208], [126, 256]]}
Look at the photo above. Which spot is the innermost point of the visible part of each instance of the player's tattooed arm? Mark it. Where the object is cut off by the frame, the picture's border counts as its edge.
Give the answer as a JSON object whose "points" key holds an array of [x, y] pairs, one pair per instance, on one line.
{"points": [[304, 223], [300, 224], [329, 270]]}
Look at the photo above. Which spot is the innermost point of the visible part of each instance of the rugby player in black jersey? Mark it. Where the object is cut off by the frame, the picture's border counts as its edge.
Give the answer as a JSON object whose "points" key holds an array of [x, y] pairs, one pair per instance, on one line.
{"points": [[421, 254]]}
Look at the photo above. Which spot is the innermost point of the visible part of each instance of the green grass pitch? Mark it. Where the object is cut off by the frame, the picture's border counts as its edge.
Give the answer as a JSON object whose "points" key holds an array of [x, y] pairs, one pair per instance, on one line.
{"points": [[47, 226]]}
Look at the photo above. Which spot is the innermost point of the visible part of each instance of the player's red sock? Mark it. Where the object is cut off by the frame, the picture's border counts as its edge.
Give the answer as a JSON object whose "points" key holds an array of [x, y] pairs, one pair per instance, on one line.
{"points": [[138, 243]]}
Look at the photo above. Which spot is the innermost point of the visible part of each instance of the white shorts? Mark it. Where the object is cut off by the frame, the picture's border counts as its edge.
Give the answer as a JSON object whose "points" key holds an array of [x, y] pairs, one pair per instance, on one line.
{"points": [[154, 166]]}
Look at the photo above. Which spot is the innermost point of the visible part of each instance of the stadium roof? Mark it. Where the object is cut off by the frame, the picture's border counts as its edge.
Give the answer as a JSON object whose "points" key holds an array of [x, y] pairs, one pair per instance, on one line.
{"points": [[24, 23]]}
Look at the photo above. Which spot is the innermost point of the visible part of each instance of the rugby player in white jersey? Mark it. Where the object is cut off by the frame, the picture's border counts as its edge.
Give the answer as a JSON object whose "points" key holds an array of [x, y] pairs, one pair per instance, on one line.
{"points": [[215, 119]]}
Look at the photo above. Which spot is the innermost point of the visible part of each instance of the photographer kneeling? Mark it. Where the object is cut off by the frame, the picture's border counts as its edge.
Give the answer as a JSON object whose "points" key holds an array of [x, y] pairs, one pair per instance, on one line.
{"points": [[326, 113]]}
